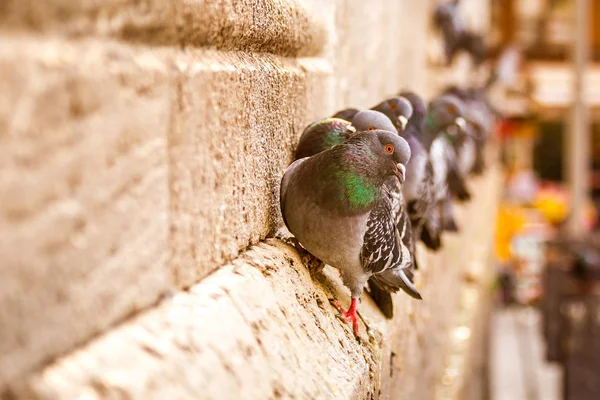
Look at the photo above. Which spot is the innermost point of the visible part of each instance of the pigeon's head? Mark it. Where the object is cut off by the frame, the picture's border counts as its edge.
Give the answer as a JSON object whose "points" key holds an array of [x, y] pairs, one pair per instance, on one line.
{"points": [[445, 13], [398, 109], [322, 135], [419, 108], [370, 120], [456, 91], [389, 152], [446, 111], [346, 114]]}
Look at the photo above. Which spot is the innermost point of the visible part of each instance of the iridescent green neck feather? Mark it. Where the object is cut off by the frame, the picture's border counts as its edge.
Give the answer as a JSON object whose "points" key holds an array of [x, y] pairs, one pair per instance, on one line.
{"points": [[357, 191]]}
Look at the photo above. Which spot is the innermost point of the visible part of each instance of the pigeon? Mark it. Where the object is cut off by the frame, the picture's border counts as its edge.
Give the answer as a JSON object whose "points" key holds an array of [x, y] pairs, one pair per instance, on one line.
{"points": [[346, 114], [456, 36], [479, 116], [418, 188], [322, 135], [443, 116], [337, 206], [397, 109], [369, 120], [317, 138]]}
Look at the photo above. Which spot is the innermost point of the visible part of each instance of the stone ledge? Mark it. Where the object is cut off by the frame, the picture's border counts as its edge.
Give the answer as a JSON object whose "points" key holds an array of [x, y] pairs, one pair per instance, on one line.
{"points": [[262, 327], [285, 27], [254, 329], [138, 159]]}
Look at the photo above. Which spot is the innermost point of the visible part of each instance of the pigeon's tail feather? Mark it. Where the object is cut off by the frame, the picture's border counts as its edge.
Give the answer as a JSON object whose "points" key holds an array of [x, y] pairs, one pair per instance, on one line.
{"points": [[393, 280], [448, 221], [457, 185], [450, 224], [431, 237], [479, 164], [382, 298]]}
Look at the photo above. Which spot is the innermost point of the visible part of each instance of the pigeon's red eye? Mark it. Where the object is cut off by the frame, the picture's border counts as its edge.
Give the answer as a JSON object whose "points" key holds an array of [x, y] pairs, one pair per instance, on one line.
{"points": [[393, 106], [452, 109], [389, 149], [371, 128]]}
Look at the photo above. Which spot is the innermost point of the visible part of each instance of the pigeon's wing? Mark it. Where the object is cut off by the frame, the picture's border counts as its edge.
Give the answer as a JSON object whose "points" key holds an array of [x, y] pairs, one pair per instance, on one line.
{"points": [[420, 208], [382, 248], [456, 181], [383, 252], [285, 181], [401, 217]]}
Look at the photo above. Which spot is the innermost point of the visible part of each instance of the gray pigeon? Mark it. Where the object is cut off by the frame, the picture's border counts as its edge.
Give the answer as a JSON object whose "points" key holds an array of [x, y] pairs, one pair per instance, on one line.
{"points": [[317, 138], [456, 35], [336, 205], [323, 135], [443, 116], [397, 109], [369, 120], [480, 117], [346, 114], [419, 187]]}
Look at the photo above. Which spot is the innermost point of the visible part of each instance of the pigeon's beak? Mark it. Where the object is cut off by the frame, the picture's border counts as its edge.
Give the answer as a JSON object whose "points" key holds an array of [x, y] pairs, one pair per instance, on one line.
{"points": [[350, 130], [403, 121], [400, 171], [461, 123]]}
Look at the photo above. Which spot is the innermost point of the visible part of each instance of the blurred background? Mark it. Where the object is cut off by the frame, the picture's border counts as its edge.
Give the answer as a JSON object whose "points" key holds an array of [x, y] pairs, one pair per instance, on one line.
{"points": [[547, 233]]}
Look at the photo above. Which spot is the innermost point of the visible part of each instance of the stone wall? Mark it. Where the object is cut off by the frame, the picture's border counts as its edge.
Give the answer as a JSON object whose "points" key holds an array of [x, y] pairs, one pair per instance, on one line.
{"points": [[141, 148]]}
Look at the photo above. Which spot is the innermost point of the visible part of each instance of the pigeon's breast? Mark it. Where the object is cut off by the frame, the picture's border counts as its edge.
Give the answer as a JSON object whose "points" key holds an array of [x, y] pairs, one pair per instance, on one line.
{"points": [[335, 239], [466, 156], [415, 175], [437, 154]]}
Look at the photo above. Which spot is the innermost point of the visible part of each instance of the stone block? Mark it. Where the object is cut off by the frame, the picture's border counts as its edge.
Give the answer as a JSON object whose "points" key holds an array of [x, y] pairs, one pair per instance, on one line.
{"points": [[237, 122], [285, 27], [83, 192]]}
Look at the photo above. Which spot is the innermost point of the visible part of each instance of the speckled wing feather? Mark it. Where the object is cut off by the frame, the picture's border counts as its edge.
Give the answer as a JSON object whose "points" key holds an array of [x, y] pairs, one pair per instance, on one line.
{"points": [[381, 248], [383, 252], [456, 181]]}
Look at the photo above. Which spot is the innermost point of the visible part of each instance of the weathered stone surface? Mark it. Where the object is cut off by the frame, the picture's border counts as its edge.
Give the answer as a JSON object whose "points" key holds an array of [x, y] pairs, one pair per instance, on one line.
{"points": [[236, 126], [286, 27], [255, 329], [262, 327], [147, 20], [83, 192], [371, 53]]}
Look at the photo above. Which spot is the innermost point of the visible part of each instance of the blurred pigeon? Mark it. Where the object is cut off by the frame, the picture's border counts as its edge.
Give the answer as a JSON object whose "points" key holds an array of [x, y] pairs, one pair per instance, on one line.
{"points": [[346, 114], [443, 117], [419, 187], [322, 135], [369, 120], [397, 109], [480, 118], [456, 36], [338, 208]]}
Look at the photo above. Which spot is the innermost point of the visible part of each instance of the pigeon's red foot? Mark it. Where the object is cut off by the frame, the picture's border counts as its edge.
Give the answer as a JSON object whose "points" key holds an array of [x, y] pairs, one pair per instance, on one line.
{"points": [[350, 315]]}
